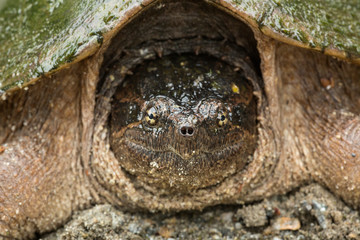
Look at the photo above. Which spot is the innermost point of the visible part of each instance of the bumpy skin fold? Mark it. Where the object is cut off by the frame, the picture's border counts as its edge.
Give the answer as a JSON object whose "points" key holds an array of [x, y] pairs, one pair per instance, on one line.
{"points": [[56, 158], [324, 97], [41, 175]]}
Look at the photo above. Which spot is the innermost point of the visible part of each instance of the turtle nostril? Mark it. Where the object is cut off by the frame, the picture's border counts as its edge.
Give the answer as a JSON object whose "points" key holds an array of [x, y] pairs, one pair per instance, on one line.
{"points": [[187, 131], [183, 130], [190, 131]]}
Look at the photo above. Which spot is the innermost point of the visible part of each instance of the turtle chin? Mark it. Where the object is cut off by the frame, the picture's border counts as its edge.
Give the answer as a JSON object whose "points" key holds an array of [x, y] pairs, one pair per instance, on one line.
{"points": [[180, 171]]}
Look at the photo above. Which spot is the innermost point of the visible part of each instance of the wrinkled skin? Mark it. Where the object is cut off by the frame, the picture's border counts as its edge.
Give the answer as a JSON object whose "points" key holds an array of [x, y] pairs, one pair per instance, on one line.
{"points": [[59, 153], [183, 123]]}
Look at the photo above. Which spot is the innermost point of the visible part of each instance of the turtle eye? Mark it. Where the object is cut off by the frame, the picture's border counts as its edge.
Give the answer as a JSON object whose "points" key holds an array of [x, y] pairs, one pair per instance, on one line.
{"points": [[151, 117], [222, 119]]}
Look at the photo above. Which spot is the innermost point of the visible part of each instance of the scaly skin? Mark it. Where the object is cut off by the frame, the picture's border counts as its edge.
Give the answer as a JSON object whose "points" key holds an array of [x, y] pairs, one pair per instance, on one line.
{"points": [[182, 123], [57, 156]]}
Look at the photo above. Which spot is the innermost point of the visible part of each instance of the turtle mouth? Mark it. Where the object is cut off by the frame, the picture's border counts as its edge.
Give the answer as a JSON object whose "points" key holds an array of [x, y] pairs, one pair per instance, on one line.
{"points": [[184, 162]]}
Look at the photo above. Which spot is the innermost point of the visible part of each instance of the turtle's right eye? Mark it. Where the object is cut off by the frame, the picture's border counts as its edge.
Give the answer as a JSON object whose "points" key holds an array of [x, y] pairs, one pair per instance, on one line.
{"points": [[151, 117]]}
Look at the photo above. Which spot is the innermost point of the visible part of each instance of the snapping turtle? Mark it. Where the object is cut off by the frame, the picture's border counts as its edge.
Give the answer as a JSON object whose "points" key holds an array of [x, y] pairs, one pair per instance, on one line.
{"points": [[174, 105]]}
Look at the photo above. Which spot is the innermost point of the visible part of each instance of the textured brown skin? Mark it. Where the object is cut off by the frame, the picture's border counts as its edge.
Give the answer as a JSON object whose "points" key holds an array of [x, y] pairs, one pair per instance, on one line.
{"points": [[160, 155], [57, 157], [41, 177]]}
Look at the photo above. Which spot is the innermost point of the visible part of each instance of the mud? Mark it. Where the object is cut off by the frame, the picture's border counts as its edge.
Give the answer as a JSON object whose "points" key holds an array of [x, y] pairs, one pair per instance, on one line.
{"points": [[310, 212]]}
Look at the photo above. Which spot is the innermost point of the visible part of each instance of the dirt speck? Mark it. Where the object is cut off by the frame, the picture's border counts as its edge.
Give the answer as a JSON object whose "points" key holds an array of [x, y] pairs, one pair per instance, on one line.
{"points": [[2, 149], [253, 215], [286, 223]]}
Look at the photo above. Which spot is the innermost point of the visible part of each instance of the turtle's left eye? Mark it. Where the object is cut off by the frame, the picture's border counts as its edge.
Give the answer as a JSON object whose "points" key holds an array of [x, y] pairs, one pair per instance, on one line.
{"points": [[222, 119], [151, 117]]}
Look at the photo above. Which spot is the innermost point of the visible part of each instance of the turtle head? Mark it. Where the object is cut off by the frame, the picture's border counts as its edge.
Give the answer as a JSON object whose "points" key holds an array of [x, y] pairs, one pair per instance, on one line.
{"points": [[183, 122]]}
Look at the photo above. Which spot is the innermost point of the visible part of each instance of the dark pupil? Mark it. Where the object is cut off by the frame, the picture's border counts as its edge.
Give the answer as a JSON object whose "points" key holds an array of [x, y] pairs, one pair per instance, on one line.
{"points": [[222, 117], [151, 116]]}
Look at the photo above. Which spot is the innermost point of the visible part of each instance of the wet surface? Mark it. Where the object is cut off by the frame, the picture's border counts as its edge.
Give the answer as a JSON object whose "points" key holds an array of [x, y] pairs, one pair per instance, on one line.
{"points": [[184, 121], [39, 36]]}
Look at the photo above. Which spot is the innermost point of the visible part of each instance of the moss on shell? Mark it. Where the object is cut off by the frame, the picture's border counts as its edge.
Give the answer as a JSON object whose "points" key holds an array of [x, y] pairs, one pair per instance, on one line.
{"points": [[37, 37]]}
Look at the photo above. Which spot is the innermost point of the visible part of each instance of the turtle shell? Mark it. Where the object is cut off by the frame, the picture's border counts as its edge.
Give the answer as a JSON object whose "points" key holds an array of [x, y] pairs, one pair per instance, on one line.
{"points": [[38, 39], [57, 87]]}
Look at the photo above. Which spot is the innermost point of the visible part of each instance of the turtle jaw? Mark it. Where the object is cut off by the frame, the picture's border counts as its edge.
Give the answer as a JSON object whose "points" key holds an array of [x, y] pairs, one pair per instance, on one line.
{"points": [[178, 169], [182, 160]]}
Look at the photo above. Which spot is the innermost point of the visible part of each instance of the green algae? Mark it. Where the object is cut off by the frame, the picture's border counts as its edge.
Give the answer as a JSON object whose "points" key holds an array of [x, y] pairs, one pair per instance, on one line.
{"points": [[37, 36], [328, 23], [322, 24]]}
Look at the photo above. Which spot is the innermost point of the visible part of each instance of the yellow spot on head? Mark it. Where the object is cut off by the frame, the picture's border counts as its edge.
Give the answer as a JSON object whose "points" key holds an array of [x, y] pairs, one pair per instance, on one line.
{"points": [[235, 88]]}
